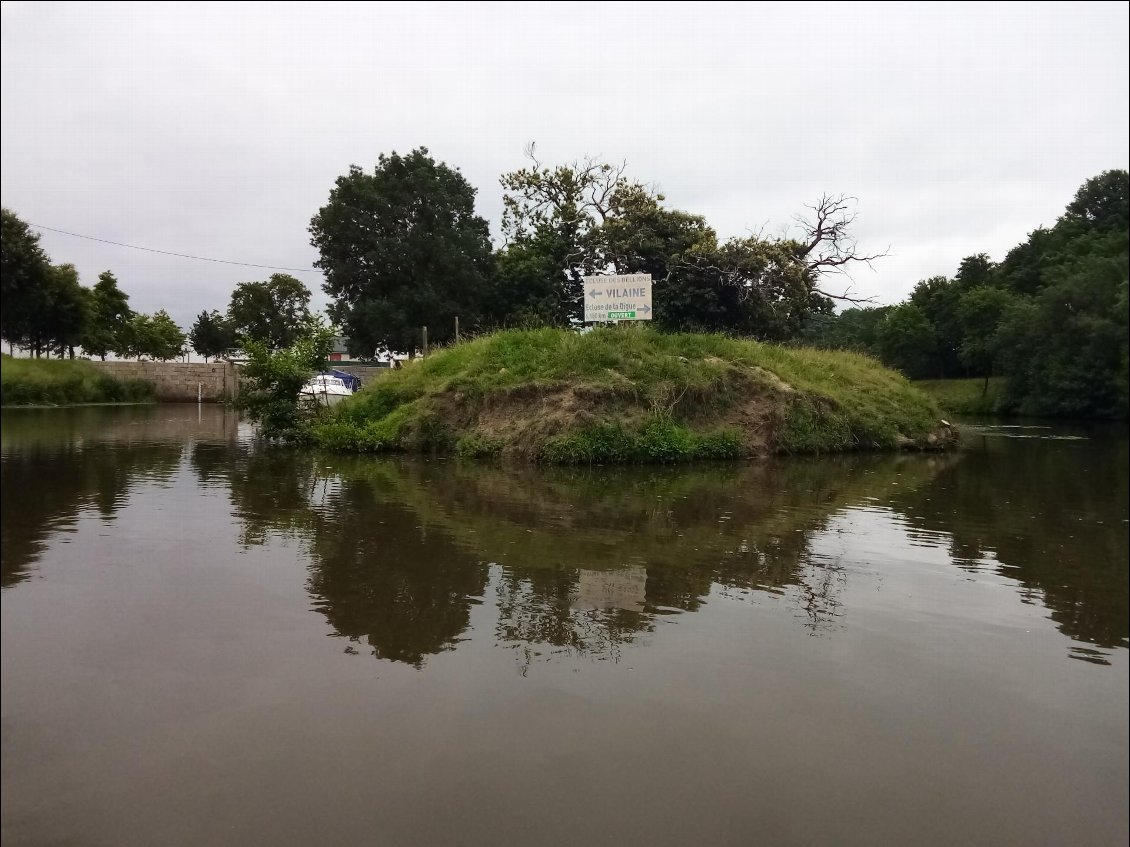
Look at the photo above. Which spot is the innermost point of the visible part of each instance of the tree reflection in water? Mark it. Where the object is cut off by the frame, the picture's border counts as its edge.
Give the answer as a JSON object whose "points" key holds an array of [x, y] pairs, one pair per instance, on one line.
{"points": [[576, 562]]}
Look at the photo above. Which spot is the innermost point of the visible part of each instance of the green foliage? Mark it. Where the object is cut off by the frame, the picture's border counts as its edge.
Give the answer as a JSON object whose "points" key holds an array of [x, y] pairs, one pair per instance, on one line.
{"points": [[854, 329], [167, 339], [67, 311], [274, 379], [659, 440], [980, 312], [212, 334], [972, 396], [274, 313], [475, 445], [402, 248], [567, 221], [39, 382], [937, 298], [1102, 203], [156, 336], [107, 330], [24, 278], [619, 394], [1064, 352], [907, 340], [1051, 318]]}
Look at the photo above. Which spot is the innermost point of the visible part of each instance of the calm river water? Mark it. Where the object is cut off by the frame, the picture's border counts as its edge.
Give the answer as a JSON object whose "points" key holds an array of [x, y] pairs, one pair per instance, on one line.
{"points": [[209, 643]]}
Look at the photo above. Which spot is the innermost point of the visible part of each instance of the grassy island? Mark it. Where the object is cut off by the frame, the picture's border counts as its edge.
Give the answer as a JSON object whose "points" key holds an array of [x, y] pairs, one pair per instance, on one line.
{"points": [[632, 394], [64, 382]]}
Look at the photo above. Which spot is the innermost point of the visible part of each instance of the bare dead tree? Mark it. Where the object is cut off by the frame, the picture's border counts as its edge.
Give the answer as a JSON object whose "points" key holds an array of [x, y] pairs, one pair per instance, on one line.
{"points": [[827, 245], [579, 195]]}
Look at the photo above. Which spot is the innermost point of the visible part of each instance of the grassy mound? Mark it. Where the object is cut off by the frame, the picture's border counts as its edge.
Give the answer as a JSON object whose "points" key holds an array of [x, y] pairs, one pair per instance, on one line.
{"points": [[631, 394], [63, 382]]}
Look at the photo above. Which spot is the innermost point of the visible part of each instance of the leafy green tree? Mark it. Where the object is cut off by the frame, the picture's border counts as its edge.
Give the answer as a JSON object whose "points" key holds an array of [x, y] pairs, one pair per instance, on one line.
{"points": [[110, 314], [275, 378], [166, 339], [852, 329], [938, 298], [981, 311], [274, 312], [554, 211], [64, 322], [525, 285], [402, 248], [25, 273], [212, 334], [907, 341], [1101, 203], [974, 272], [139, 337], [594, 220]]}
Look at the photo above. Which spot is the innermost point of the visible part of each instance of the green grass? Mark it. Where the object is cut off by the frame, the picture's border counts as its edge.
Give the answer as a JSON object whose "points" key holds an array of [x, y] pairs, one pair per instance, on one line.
{"points": [[630, 394], [965, 396], [64, 382]]}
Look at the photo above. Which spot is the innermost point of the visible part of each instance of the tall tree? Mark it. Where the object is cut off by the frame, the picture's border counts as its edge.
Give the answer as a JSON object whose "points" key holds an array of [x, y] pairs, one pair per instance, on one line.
{"points": [[212, 334], [274, 312], [938, 298], [555, 210], [981, 311], [402, 248], [25, 274], [110, 315], [596, 220], [907, 340], [64, 322], [166, 338], [1102, 202], [974, 271]]}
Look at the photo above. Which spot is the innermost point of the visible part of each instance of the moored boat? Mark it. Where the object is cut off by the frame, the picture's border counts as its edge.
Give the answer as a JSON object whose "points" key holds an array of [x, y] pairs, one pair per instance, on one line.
{"points": [[325, 390]]}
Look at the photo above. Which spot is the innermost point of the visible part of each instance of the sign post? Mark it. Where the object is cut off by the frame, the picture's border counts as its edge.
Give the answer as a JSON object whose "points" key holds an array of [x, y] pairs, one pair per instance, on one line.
{"points": [[618, 298]]}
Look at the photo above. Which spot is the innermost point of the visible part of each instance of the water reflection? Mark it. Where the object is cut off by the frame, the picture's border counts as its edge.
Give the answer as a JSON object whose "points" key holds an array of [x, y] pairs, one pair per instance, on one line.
{"points": [[56, 464], [581, 562], [1050, 515], [587, 561]]}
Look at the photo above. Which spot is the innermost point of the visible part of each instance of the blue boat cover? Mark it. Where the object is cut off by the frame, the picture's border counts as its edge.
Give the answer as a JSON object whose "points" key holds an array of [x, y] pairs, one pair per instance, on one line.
{"points": [[354, 383]]}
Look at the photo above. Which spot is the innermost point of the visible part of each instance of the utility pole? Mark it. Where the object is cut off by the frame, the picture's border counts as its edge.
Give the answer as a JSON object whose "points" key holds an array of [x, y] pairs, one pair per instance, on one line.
{"points": [[425, 337], [457, 329]]}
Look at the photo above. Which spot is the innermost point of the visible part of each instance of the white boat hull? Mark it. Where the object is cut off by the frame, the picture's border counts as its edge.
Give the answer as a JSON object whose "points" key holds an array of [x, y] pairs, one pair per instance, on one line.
{"points": [[323, 398]]}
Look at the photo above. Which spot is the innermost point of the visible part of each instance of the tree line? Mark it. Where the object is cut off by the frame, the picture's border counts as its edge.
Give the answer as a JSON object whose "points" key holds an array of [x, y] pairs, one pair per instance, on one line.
{"points": [[401, 247], [1050, 318], [45, 309]]}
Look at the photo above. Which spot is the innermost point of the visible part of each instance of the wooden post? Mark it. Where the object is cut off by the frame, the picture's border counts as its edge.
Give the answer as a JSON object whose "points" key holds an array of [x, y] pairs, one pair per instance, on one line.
{"points": [[425, 336], [457, 329]]}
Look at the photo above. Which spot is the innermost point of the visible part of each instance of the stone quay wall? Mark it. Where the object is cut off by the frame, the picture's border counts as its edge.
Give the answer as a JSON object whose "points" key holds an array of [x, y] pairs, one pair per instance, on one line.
{"points": [[178, 382]]}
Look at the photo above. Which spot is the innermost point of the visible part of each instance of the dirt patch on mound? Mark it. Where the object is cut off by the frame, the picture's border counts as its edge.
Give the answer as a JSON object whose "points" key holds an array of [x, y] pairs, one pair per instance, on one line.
{"points": [[522, 419]]}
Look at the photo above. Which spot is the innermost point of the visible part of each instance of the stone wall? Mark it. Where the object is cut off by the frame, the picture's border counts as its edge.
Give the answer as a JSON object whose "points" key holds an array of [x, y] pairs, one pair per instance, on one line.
{"points": [[177, 382]]}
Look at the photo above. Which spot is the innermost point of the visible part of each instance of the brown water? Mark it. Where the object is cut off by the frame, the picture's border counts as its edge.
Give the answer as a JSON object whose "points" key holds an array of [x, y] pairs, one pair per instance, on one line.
{"points": [[208, 643]]}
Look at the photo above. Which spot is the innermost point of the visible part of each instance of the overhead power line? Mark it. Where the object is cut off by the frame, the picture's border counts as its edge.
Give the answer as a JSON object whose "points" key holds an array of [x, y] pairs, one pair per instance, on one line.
{"points": [[170, 253]]}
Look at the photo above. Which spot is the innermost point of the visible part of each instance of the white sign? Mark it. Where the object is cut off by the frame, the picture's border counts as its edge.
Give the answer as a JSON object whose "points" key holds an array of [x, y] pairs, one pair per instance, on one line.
{"points": [[618, 298]]}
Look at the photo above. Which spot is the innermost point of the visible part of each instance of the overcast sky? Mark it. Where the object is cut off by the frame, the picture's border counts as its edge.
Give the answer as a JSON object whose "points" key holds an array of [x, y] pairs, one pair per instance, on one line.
{"points": [[218, 129]]}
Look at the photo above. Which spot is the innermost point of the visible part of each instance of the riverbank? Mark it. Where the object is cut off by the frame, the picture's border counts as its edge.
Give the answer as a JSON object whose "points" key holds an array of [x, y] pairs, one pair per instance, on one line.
{"points": [[65, 382], [972, 396], [632, 394]]}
